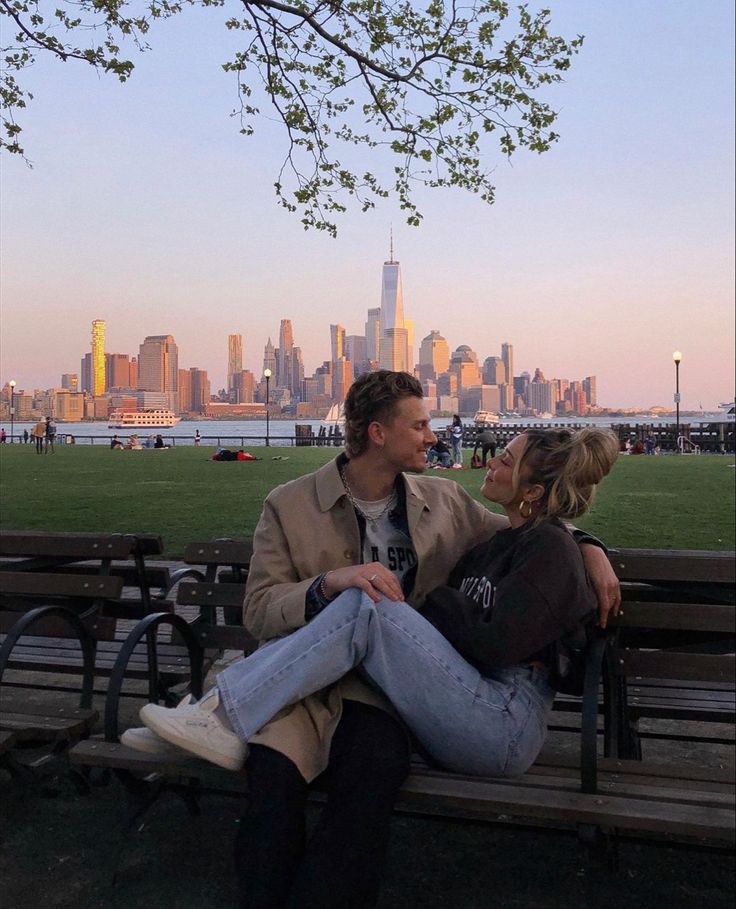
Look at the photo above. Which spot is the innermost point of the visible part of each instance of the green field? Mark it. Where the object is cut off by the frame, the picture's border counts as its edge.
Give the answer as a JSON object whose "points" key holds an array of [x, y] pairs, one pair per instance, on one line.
{"points": [[665, 502]]}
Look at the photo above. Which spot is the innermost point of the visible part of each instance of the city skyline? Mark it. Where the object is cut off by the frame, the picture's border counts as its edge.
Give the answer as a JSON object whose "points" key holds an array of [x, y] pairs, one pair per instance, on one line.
{"points": [[144, 208]]}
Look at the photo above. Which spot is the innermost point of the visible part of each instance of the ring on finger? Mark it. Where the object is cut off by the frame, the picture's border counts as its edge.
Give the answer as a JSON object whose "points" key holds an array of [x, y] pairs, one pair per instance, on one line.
{"points": [[372, 578]]}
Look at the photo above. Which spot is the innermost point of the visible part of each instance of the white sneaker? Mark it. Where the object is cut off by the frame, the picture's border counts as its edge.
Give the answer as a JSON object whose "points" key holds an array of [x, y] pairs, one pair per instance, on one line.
{"points": [[195, 728], [141, 738]]}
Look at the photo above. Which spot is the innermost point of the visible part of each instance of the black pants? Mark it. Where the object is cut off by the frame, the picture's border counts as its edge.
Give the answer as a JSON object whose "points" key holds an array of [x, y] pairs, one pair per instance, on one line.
{"points": [[486, 449], [340, 866]]}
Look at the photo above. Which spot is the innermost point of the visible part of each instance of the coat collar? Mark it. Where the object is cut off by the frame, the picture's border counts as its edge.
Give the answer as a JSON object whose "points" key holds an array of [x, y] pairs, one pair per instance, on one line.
{"points": [[330, 490]]}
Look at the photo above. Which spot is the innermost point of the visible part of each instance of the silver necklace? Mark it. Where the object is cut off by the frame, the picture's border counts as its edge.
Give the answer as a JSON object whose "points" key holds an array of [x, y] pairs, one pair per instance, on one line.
{"points": [[371, 519]]}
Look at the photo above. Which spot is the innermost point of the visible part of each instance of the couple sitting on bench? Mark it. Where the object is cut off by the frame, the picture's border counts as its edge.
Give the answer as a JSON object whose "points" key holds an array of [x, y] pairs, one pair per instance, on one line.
{"points": [[343, 560]]}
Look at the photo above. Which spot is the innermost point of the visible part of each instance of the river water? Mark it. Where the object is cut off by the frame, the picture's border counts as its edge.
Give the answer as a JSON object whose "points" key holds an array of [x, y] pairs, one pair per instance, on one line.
{"points": [[281, 432]]}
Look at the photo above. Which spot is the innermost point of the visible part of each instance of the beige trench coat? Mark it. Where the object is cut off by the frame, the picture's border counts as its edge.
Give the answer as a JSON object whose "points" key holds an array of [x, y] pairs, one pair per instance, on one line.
{"points": [[308, 527]]}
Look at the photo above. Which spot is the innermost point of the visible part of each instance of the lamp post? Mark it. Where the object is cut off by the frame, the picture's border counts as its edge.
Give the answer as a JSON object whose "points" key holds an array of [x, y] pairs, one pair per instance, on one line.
{"points": [[677, 356], [267, 377], [12, 384]]}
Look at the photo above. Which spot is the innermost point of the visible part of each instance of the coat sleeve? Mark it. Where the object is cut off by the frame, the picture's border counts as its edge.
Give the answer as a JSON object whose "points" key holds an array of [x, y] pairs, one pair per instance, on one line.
{"points": [[275, 595], [543, 596]]}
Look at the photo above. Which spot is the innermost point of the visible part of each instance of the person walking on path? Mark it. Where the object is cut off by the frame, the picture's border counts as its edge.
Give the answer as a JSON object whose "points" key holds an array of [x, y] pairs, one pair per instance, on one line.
{"points": [[25, 436], [366, 521], [197, 438]]}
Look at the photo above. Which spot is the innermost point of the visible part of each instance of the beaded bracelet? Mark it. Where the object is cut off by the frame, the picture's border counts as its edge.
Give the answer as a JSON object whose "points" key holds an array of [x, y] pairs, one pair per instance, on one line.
{"points": [[321, 588]]}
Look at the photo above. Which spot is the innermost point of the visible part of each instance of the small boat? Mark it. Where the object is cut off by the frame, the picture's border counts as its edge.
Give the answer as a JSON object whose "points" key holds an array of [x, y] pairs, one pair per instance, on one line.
{"points": [[483, 417], [335, 415], [142, 419]]}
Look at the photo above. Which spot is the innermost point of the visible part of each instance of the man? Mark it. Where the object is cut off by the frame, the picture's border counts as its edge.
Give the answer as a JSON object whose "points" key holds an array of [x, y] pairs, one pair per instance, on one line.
{"points": [[364, 520], [486, 441]]}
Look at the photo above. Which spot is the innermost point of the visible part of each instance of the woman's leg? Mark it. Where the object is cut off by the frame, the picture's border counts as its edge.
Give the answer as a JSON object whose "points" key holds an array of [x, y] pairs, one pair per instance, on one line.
{"points": [[463, 719]]}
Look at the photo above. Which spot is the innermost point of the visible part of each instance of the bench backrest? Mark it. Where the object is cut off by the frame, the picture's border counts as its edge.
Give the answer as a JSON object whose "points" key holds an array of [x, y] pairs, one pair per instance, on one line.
{"points": [[121, 555]]}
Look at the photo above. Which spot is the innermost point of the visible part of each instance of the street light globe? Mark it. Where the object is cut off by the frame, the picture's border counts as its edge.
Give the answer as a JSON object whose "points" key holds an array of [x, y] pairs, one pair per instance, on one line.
{"points": [[677, 356], [12, 383], [266, 373]]}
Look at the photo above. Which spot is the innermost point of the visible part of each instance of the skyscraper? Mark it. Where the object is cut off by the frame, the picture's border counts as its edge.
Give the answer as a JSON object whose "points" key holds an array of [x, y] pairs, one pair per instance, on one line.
{"points": [[234, 364], [158, 367], [507, 355], [200, 389], [269, 357], [337, 342], [394, 345], [494, 371], [98, 357], [297, 373], [590, 389], [85, 371], [284, 355], [434, 356], [117, 369], [373, 334]]}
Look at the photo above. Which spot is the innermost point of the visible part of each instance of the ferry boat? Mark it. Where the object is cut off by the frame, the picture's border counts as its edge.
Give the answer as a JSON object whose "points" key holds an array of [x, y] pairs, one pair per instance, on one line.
{"points": [[143, 419], [483, 417]]}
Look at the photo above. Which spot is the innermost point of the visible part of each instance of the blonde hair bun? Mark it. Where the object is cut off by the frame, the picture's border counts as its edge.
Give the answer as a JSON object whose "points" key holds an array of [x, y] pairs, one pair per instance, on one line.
{"points": [[569, 466]]}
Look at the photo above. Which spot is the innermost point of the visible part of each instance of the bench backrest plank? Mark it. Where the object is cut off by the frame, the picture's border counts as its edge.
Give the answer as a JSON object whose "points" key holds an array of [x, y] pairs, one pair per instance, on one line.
{"points": [[46, 584], [713, 617], [220, 552], [71, 546], [214, 594], [682, 565], [666, 664]]}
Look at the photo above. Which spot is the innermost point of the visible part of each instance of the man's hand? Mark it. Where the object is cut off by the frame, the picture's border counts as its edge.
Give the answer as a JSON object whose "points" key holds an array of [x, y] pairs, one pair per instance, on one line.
{"points": [[603, 580], [373, 578]]}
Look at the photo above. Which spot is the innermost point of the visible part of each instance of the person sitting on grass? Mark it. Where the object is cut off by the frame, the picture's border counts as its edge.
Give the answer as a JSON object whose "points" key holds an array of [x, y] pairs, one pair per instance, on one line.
{"points": [[439, 455]]}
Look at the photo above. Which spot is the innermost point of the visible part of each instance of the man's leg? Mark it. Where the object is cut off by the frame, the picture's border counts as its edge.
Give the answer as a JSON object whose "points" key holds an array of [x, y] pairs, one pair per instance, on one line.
{"points": [[270, 840], [344, 860]]}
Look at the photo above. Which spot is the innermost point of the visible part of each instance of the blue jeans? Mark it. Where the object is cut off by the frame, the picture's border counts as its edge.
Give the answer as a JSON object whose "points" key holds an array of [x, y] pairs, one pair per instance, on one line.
{"points": [[469, 723]]}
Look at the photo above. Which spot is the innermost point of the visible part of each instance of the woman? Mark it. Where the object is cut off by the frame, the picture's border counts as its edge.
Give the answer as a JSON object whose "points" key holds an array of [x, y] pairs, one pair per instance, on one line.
{"points": [[470, 675], [456, 438]]}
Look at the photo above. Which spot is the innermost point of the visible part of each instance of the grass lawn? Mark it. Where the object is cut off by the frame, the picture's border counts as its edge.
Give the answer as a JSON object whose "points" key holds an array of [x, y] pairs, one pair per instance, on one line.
{"points": [[662, 503]]}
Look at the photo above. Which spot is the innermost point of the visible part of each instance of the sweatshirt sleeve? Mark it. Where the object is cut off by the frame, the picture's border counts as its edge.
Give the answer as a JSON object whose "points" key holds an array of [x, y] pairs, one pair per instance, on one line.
{"points": [[543, 595]]}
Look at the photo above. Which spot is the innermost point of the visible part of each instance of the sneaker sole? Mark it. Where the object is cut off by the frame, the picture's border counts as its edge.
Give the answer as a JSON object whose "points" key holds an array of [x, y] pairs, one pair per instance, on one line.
{"points": [[149, 743]]}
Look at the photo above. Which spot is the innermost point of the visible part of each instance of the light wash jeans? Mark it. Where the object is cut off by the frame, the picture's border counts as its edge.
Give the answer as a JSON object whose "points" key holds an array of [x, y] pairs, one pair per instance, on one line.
{"points": [[469, 723]]}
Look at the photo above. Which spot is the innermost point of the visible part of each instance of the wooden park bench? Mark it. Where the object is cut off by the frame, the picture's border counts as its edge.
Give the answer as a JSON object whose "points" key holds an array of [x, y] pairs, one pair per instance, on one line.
{"points": [[67, 603], [601, 792]]}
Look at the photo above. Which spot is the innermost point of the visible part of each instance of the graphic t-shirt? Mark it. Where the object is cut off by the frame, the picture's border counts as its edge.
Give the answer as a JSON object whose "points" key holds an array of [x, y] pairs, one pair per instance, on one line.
{"points": [[385, 543]]}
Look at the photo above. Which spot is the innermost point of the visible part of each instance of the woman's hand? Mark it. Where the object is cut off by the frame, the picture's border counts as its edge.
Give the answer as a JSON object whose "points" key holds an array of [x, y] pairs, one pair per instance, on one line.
{"points": [[603, 580], [373, 578]]}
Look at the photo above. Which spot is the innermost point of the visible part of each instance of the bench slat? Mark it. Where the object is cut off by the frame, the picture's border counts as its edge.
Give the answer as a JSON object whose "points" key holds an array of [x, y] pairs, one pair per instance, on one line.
{"points": [[201, 593], [57, 585], [75, 546], [31, 727], [686, 565], [668, 664], [677, 616], [220, 552]]}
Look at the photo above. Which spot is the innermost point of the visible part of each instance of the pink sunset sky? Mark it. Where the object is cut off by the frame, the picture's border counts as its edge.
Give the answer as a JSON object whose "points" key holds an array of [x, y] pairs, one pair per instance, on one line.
{"points": [[144, 207]]}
